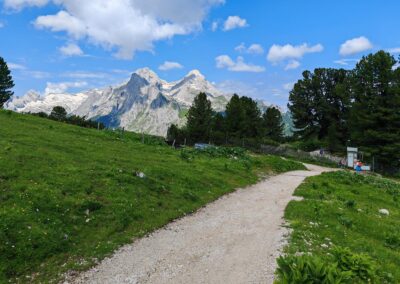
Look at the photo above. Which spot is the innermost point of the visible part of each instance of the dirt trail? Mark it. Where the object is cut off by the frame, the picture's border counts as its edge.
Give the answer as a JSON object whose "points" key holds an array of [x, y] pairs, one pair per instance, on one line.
{"points": [[235, 239]]}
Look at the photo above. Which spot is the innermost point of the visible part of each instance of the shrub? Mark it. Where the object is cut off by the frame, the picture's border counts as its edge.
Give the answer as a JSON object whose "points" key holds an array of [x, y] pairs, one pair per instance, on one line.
{"points": [[345, 221], [361, 266], [308, 269], [342, 267], [310, 145], [223, 152], [186, 155], [392, 240], [350, 204]]}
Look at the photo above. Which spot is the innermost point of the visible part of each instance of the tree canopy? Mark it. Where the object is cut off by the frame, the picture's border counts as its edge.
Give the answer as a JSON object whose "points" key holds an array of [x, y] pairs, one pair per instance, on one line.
{"points": [[58, 113]]}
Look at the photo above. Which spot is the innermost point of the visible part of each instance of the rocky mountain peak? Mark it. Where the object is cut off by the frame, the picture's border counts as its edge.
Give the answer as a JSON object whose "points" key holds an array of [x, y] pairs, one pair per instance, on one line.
{"points": [[148, 74], [195, 73]]}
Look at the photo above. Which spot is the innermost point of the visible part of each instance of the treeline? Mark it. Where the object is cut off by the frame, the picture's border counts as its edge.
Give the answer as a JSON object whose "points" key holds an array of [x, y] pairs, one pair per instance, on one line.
{"points": [[60, 114], [360, 107], [242, 121]]}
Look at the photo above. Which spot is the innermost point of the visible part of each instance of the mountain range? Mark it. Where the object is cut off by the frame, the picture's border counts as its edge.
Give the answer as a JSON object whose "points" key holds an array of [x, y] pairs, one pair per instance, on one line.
{"points": [[145, 103]]}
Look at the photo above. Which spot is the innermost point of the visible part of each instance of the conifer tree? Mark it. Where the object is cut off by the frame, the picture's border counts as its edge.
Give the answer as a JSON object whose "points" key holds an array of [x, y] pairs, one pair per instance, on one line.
{"points": [[375, 120], [234, 117], [252, 122], [199, 119], [6, 83], [318, 101], [273, 125]]}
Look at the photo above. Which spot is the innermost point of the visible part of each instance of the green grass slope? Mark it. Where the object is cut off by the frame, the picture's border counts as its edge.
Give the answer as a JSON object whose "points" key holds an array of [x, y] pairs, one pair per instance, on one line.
{"points": [[70, 196], [341, 209]]}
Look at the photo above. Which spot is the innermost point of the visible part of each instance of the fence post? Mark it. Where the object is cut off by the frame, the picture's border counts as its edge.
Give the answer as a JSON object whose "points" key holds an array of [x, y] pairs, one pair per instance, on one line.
{"points": [[373, 163], [173, 144], [98, 125], [142, 137]]}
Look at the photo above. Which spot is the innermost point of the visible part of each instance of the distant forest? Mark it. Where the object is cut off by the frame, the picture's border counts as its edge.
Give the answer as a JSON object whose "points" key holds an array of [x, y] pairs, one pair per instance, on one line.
{"points": [[241, 121], [330, 108]]}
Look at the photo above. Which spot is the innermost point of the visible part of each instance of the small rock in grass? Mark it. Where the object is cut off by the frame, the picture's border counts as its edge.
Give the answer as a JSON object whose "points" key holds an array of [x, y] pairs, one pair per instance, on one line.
{"points": [[384, 211], [140, 174]]}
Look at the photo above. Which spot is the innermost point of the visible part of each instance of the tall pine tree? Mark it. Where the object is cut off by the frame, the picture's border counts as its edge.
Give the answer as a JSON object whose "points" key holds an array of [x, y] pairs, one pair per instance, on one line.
{"points": [[273, 125], [6, 83], [320, 105], [252, 122], [234, 117], [375, 120], [199, 119]]}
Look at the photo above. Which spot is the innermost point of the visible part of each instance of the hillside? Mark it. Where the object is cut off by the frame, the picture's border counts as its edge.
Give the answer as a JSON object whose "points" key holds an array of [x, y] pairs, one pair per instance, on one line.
{"points": [[70, 196], [346, 222]]}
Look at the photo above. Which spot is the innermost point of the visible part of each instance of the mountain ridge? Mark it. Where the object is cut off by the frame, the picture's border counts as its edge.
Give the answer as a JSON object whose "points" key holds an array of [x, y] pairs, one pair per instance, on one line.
{"points": [[145, 103]]}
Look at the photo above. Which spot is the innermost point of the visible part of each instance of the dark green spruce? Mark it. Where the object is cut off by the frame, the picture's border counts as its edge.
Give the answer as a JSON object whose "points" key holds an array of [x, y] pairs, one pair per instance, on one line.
{"points": [[272, 123], [6, 83], [199, 119], [375, 120]]}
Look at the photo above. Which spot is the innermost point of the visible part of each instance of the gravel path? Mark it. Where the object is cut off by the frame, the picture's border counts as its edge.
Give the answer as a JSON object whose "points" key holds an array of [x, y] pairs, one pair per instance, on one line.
{"points": [[235, 239]]}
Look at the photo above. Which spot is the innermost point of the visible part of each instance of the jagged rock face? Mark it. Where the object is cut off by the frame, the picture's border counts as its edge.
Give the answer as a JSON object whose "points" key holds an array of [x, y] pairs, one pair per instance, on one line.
{"points": [[144, 104]]}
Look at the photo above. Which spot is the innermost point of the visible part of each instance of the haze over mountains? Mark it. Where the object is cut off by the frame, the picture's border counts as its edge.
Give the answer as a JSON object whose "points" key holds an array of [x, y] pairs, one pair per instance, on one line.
{"points": [[145, 103]]}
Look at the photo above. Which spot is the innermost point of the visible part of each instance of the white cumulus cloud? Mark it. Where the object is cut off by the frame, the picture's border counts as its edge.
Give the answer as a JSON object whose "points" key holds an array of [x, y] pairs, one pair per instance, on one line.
{"points": [[355, 45], [16, 66], [126, 26], [169, 65], [234, 22], [71, 49], [19, 4], [293, 64], [346, 62], [252, 49], [394, 50], [62, 87], [84, 75], [214, 26], [225, 62], [279, 53]]}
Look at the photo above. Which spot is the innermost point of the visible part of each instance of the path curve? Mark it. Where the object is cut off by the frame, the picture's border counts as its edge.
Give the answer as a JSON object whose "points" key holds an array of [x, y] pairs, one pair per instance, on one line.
{"points": [[235, 239]]}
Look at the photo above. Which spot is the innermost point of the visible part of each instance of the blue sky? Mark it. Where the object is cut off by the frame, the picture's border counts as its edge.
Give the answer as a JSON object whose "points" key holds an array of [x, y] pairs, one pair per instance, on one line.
{"points": [[257, 48]]}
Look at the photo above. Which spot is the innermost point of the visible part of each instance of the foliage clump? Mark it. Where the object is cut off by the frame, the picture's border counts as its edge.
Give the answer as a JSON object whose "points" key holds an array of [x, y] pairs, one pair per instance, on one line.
{"points": [[342, 266]]}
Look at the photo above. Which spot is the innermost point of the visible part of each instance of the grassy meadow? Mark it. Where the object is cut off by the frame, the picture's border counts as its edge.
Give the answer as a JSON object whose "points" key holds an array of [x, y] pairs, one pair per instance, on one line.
{"points": [[70, 196], [338, 223]]}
